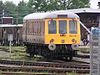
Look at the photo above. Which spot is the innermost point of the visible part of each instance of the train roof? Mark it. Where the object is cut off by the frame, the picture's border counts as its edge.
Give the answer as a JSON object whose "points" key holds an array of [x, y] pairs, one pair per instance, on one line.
{"points": [[53, 14], [85, 10]]}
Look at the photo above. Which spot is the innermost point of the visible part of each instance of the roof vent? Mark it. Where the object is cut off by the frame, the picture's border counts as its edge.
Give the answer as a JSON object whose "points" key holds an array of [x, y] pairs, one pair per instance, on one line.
{"points": [[62, 16]]}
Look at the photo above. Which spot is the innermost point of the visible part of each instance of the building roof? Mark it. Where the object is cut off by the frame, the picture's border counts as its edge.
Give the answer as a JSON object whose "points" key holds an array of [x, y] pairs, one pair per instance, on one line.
{"points": [[53, 14], [10, 25], [7, 17], [85, 10]]}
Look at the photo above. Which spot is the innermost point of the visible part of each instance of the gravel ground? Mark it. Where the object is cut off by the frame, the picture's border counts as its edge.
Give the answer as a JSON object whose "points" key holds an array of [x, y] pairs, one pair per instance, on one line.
{"points": [[4, 53]]}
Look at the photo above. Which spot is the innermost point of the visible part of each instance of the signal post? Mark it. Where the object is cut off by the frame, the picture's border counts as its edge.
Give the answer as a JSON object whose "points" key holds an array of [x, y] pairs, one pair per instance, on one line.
{"points": [[95, 51]]}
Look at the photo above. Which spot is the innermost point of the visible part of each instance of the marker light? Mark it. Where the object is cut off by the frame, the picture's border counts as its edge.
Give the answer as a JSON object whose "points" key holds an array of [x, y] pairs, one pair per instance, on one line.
{"points": [[73, 40], [63, 41], [52, 40]]}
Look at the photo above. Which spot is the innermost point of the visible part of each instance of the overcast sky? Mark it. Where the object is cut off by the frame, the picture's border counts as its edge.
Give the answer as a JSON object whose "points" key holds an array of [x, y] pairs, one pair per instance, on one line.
{"points": [[94, 3], [15, 1]]}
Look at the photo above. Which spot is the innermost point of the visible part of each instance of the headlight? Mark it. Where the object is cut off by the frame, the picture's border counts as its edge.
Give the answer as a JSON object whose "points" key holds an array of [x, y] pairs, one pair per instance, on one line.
{"points": [[62, 41], [52, 40], [74, 41]]}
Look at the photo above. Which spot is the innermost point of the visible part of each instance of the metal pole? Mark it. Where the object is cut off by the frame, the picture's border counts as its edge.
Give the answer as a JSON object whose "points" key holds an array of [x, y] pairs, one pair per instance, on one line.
{"points": [[10, 48], [85, 27], [3, 13], [16, 27]]}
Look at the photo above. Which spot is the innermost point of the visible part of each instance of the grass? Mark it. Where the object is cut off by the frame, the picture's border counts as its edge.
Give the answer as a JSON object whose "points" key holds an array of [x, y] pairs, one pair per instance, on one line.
{"points": [[25, 73], [14, 48], [72, 73], [83, 49], [18, 53]]}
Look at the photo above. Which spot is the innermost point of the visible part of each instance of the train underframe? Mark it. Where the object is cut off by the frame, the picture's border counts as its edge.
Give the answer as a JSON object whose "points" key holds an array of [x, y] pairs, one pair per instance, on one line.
{"points": [[61, 52]]}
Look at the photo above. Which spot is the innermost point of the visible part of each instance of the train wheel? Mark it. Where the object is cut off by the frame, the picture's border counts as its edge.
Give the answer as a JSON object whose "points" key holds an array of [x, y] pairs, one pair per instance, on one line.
{"points": [[68, 58], [31, 55], [30, 51]]}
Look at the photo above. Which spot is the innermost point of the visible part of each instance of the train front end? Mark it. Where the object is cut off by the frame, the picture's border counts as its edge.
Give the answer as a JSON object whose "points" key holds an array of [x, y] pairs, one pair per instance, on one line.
{"points": [[61, 33]]}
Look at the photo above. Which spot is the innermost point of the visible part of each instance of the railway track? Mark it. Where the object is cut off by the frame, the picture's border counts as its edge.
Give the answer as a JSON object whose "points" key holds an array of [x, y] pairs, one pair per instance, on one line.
{"points": [[83, 56], [50, 67], [25, 73]]}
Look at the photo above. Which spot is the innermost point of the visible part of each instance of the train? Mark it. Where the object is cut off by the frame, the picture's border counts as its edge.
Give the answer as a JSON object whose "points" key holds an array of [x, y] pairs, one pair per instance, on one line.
{"points": [[51, 34]]}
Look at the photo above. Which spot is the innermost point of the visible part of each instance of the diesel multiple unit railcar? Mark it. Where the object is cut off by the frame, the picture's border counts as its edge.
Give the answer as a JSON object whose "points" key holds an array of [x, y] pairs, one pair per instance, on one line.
{"points": [[51, 34]]}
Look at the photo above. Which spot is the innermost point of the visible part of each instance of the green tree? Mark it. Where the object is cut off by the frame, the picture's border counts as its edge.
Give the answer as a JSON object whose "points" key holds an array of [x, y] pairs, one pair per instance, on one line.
{"points": [[54, 5], [22, 10], [9, 8], [30, 5], [44, 5], [1, 8], [37, 5], [1, 5], [49, 5], [74, 4]]}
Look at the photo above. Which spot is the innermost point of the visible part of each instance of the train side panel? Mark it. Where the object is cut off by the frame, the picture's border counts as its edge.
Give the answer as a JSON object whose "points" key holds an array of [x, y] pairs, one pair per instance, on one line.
{"points": [[34, 31]]}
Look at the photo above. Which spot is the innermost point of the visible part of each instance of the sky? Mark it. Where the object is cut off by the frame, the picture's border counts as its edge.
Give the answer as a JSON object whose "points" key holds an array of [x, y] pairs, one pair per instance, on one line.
{"points": [[14, 1], [94, 3]]}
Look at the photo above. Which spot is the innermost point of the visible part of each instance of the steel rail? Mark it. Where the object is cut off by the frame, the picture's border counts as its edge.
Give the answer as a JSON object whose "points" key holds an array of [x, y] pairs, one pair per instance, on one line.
{"points": [[52, 67]]}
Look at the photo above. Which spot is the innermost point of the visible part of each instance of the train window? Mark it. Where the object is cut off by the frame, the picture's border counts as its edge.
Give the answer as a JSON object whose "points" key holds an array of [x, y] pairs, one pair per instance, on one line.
{"points": [[52, 27], [73, 26], [62, 26]]}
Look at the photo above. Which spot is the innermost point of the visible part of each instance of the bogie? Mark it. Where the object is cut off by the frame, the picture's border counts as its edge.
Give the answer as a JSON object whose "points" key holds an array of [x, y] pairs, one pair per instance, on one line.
{"points": [[61, 51]]}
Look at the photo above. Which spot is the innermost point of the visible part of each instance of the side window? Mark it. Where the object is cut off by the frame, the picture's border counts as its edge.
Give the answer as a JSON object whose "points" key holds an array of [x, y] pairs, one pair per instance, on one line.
{"points": [[27, 27], [62, 26], [52, 28], [73, 26]]}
